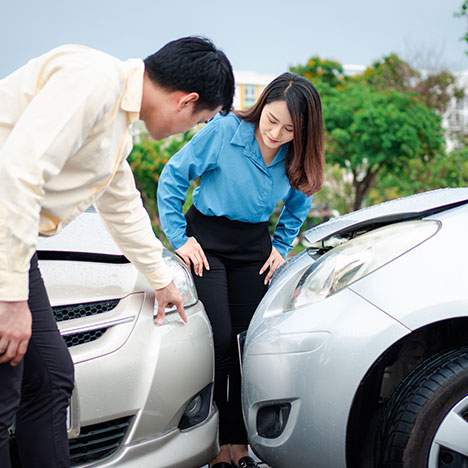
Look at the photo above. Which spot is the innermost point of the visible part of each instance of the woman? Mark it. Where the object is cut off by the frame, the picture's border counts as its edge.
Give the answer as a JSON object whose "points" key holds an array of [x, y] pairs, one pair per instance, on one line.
{"points": [[247, 162]]}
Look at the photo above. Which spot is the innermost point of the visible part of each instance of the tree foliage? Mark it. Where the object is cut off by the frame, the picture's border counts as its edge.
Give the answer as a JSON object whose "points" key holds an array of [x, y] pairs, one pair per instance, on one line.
{"points": [[446, 170], [372, 131], [326, 71], [382, 122], [435, 89]]}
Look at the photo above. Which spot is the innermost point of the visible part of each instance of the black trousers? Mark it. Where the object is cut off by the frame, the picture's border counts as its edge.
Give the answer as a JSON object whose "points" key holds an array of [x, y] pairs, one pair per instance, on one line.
{"points": [[38, 390], [230, 291]]}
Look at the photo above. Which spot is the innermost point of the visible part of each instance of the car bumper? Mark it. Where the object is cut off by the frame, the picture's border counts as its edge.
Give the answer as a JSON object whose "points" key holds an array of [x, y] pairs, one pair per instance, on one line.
{"points": [[187, 449], [144, 376], [310, 361]]}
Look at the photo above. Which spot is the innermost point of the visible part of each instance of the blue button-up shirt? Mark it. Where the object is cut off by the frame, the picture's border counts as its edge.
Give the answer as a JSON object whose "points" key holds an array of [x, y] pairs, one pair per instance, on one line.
{"points": [[234, 182]]}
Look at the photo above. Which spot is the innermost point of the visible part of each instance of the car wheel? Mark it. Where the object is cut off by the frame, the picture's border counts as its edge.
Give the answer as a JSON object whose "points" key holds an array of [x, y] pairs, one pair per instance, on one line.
{"points": [[426, 420]]}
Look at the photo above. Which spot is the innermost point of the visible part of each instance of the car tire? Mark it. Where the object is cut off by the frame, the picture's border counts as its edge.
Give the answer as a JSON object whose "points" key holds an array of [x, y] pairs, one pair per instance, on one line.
{"points": [[420, 406]]}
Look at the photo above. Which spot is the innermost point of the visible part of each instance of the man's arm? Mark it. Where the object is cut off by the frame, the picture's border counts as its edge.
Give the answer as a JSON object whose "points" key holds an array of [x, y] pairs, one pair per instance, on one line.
{"points": [[50, 130], [128, 222], [15, 331]]}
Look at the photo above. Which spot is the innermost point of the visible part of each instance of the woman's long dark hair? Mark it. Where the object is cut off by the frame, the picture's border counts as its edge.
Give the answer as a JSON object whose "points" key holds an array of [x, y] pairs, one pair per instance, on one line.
{"points": [[304, 161]]}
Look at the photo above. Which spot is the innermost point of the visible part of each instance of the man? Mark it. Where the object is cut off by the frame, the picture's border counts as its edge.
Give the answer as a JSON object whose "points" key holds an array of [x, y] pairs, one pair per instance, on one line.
{"points": [[64, 139]]}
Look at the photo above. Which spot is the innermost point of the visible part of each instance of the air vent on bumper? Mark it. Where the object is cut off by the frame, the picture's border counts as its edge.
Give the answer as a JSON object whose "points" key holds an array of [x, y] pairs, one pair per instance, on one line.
{"points": [[98, 441], [83, 337], [73, 311]]}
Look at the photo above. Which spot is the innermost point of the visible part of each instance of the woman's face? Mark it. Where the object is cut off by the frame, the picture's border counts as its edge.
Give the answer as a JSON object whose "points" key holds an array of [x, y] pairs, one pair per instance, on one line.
{"points": [[275, 126]]}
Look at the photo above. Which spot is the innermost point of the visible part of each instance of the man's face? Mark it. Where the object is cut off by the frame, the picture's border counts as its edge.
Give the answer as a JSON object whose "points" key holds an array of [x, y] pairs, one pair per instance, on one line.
{"points": [[167, 113]]}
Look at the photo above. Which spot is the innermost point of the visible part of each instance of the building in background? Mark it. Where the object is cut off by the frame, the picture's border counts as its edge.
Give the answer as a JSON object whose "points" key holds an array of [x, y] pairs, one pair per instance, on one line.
{"points": [[249, 86]]}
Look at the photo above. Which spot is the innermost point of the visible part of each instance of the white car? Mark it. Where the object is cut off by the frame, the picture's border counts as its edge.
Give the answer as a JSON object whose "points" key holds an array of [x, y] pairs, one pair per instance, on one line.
{"points": [[358, 354], [143, 395]]}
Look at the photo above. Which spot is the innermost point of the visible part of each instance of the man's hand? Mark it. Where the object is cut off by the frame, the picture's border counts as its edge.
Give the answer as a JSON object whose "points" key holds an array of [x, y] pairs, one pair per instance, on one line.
{"points": [[169, 297], [192, 253], [274, 261], [15, 331]]}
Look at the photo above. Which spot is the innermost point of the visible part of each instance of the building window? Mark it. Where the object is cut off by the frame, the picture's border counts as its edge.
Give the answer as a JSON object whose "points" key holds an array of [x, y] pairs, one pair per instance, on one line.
{"points": [[250, 95]]}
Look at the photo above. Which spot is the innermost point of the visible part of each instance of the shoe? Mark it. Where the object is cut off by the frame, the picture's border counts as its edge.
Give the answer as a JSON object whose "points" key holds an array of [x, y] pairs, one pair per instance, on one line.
{"points": [[247, 462], [222, 465]]}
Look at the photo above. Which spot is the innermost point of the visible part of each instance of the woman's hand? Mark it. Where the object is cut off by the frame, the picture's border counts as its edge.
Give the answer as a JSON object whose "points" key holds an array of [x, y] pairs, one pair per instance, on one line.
{"points": [[274, 261], [192, 254]]}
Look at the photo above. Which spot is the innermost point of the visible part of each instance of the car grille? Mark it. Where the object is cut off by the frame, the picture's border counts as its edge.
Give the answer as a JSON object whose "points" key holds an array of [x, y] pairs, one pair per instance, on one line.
{"points": [[94, 442], [83, 337], [73, 311], [98, 441]]}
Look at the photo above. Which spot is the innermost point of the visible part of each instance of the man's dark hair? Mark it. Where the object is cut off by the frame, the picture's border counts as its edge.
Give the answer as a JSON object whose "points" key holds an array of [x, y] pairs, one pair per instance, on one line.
{"points": [[194, 64]]}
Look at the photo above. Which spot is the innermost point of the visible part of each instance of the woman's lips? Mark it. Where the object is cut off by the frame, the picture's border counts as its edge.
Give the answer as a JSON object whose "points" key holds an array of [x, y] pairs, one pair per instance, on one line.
{"points": [[272, 140]]}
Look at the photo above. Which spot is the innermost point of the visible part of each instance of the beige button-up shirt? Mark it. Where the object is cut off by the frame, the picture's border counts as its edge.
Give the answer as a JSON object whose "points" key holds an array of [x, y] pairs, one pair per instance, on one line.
{"points": [[64, 140]]}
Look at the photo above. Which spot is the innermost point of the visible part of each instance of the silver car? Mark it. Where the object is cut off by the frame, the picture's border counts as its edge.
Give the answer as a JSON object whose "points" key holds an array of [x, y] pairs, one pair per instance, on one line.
{"points": [[143, 395], [358, 354]]}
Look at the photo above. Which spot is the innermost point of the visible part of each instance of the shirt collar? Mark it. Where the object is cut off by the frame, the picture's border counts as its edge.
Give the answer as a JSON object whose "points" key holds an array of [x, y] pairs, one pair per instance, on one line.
{"points": [[131, 99], [280, 155], [245, 136]]}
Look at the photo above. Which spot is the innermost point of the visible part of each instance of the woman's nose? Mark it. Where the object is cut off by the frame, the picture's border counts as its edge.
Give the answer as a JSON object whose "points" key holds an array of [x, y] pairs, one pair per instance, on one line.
{"points": [[276, 132]]}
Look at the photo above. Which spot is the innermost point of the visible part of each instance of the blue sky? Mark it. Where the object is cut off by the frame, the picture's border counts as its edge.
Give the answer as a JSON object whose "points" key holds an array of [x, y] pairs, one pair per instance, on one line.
{"points": [[259, 35]]}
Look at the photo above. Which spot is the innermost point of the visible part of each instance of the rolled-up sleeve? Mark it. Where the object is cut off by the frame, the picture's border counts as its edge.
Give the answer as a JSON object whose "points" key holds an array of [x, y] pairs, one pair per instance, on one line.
{"points": [[295, 210], [128, 222], [53, 127]]}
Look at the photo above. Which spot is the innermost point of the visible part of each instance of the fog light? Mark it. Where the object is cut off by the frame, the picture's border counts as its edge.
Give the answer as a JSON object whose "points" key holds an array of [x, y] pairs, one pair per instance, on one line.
{"points": [[197, 409], [271, 420], [194, 406]]}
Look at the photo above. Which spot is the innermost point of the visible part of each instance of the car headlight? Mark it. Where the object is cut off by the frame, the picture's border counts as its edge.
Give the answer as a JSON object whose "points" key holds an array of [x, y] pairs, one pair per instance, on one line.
{"points": [[349, 262], [182, 279]]}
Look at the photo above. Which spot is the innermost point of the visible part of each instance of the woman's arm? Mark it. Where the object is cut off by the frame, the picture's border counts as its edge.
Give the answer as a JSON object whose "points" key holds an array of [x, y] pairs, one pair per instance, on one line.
{"points": [[197, 157], [296, 207], [293, 215]]}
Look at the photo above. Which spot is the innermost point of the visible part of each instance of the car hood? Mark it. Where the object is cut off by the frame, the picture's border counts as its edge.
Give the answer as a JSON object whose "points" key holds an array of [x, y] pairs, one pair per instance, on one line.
{"points": [[415, 206], [86, 234]]}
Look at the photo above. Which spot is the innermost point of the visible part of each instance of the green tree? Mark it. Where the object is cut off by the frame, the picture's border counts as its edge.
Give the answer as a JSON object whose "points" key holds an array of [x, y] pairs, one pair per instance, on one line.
{"points": [[381, 122], [446, 170], [371, 131], [326, 71], [391, 72], [435, 89]]}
